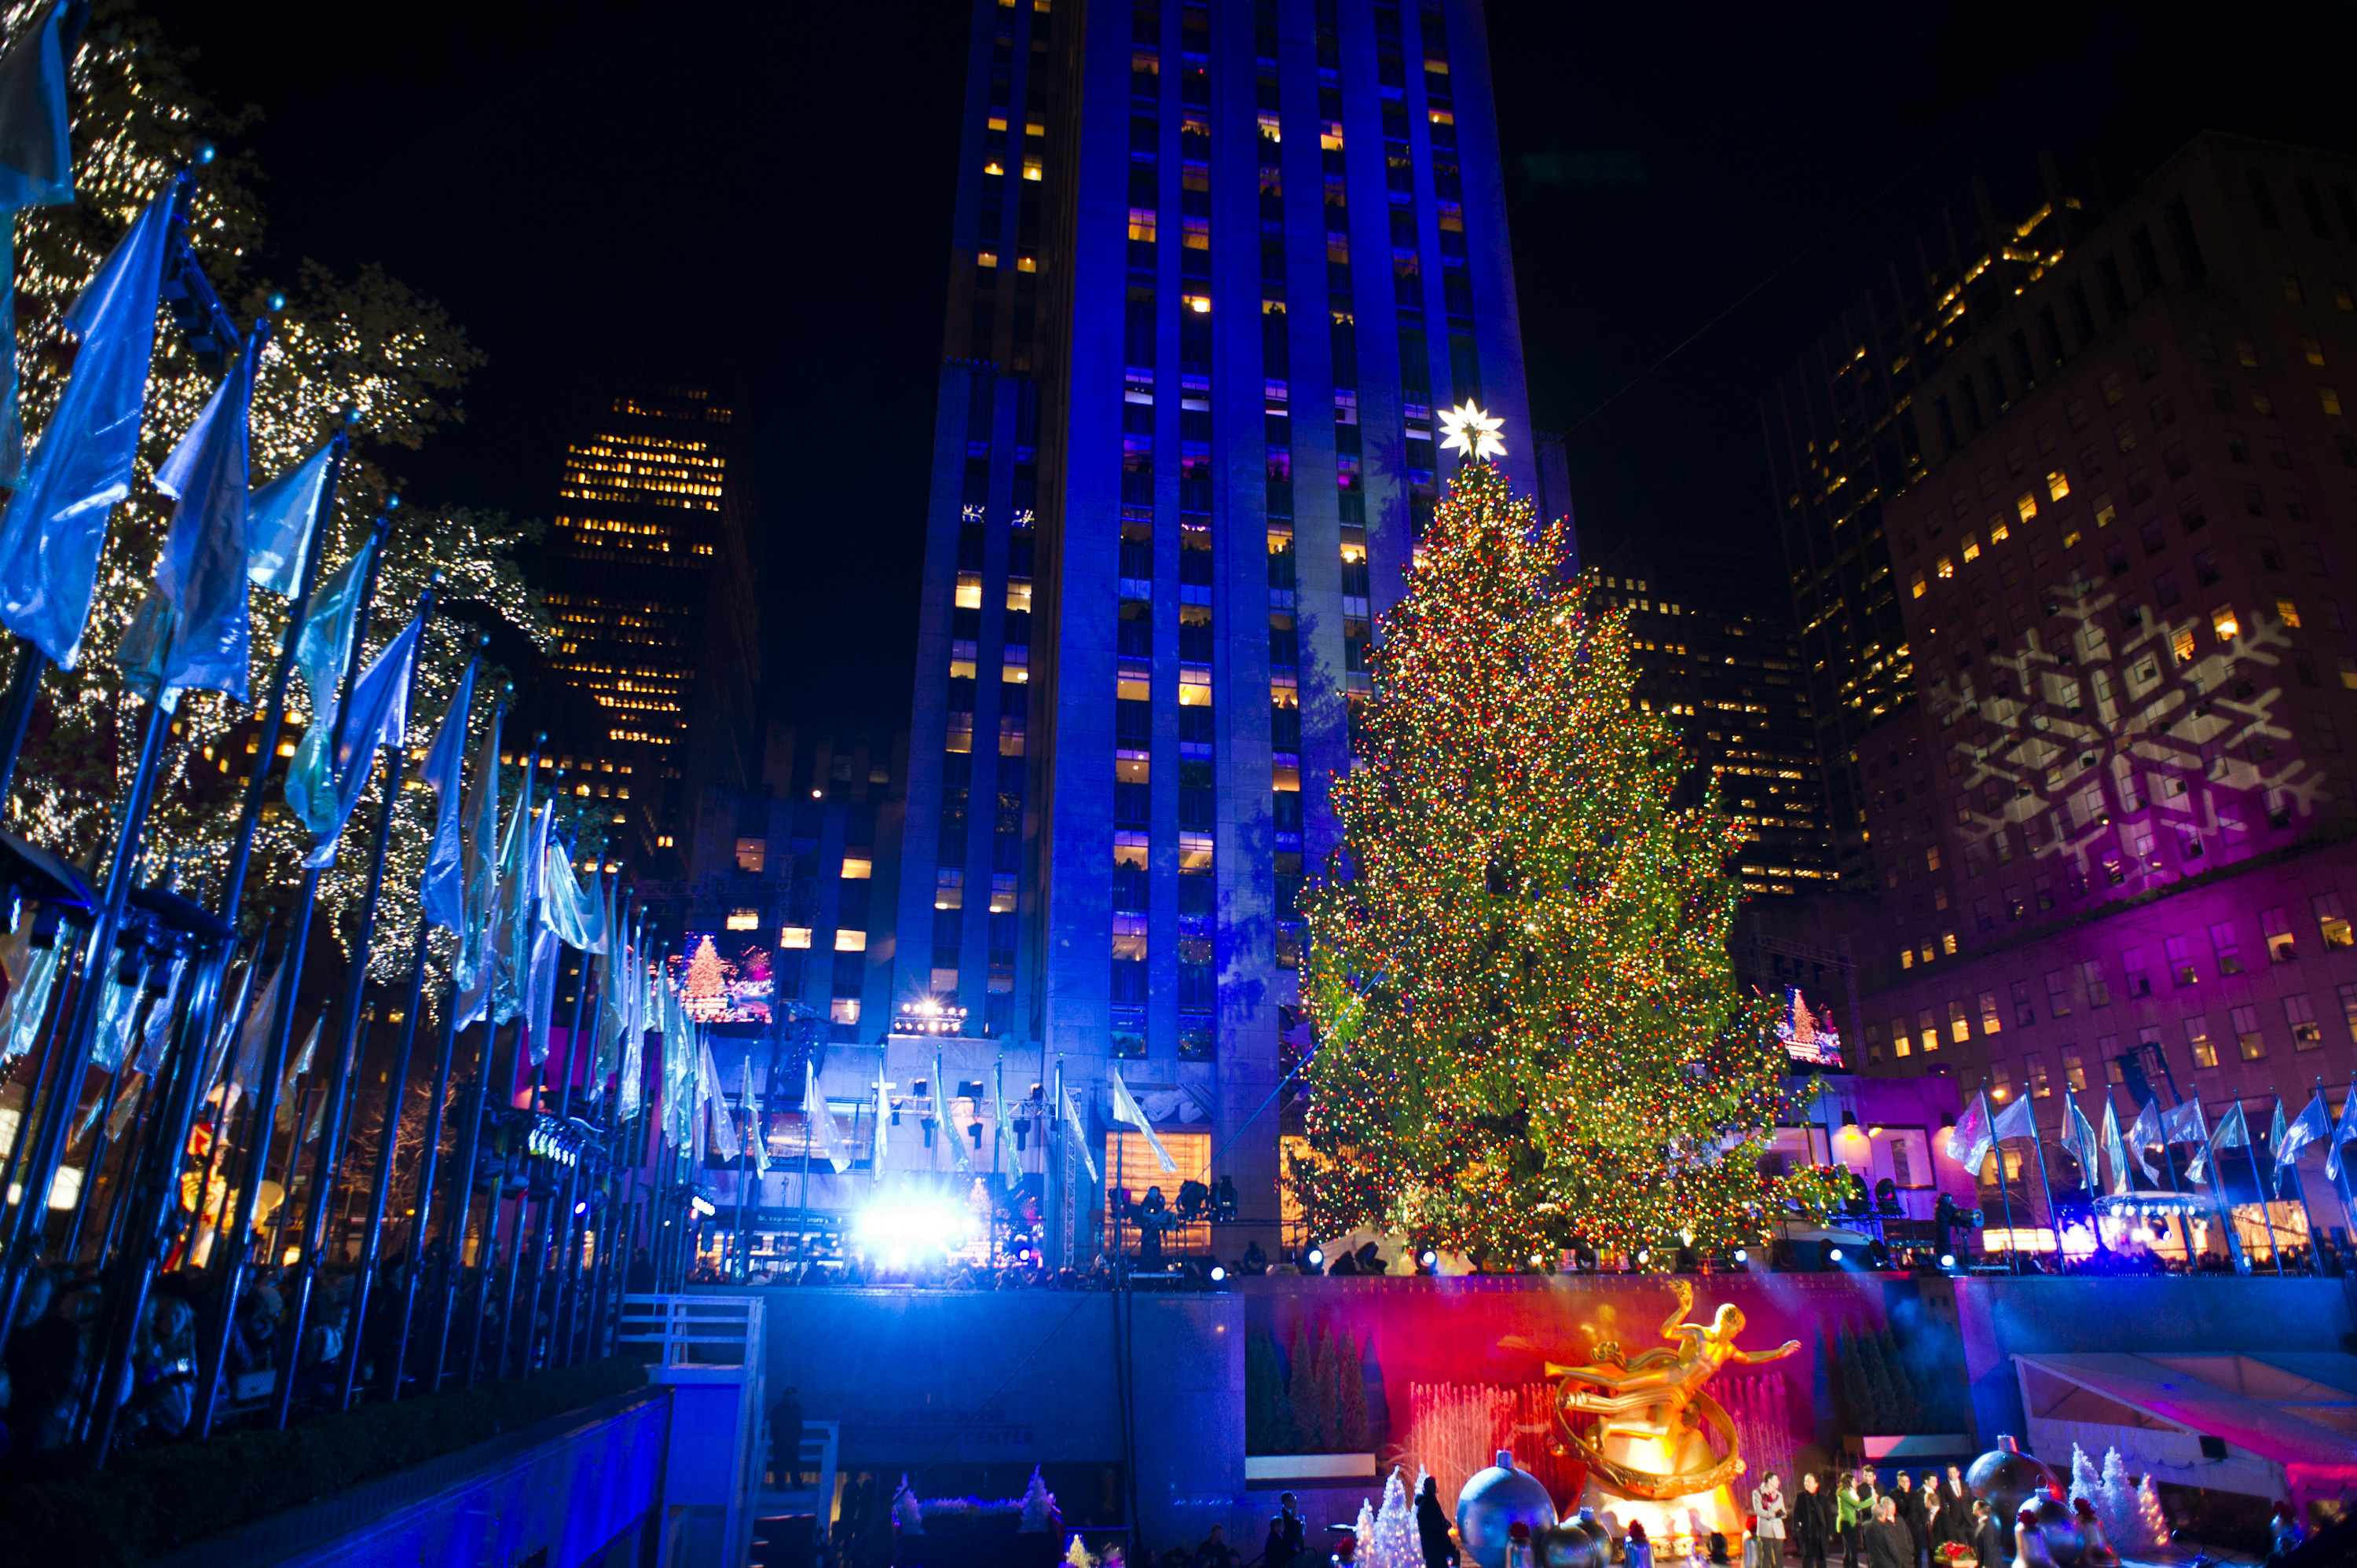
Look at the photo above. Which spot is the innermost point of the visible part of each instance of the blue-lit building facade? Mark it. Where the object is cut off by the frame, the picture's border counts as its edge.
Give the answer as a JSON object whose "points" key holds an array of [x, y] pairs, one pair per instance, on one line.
{"points": [[1215, 268]]}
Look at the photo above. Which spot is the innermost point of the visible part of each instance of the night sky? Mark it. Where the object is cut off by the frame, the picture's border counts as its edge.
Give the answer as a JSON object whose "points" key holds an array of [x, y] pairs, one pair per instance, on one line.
{"points": [[760, 195]]}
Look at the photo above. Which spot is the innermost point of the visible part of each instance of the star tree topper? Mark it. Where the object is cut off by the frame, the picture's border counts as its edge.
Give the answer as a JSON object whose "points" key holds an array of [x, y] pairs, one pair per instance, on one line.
{"points": [[1472, 432]]}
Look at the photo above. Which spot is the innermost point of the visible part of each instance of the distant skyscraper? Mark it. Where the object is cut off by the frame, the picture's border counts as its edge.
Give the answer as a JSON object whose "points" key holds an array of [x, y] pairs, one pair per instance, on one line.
{"points": [[1727, 669], [648, 578], [1215, 266]]}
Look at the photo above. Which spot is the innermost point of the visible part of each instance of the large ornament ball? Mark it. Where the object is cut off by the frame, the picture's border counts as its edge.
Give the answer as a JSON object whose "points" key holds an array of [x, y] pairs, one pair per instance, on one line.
{"points": [[1495, 1501], [2066, 1539], [2005, 1478], [1573, 1544]]}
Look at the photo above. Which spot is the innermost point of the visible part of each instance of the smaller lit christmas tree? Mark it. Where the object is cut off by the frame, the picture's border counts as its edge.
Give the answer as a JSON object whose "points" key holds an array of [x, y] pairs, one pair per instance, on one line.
{"points": [[705, 992], [1040, 1513], [2151, 1524], [1394, 1543]]}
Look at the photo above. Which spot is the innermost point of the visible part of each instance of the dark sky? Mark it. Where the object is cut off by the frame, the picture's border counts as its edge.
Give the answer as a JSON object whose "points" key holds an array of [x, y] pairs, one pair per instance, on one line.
{"points": [[762, 192]]}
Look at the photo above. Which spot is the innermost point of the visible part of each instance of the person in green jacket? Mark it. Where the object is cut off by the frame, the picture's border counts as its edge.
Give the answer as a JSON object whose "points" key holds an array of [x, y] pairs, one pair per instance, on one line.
{"points": [[1853, 1506]]}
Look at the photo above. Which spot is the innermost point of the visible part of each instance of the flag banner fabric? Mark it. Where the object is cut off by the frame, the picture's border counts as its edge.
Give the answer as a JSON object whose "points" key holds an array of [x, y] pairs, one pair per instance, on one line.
{"points": [[323, 650], [2015, 1120], [156, 1034], [2115, 1150], [756, 1122], [201, 573], [1009, 1163], [565, 907], [540, 991], [1969, 1141], [955, 1134], [442, 886], [55, 526], [2145, 1135], [474, 973], [707, 1092], [377, 716], [2079, 1138], [825, 1141], [1125, 1113], [36, 153], [281, 518], [2234, 1128], [2312, 1126], [2343, 1135]]}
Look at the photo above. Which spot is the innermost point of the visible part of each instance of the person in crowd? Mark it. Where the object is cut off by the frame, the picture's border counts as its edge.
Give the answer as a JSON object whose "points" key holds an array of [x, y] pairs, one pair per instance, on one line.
{"points": [[1256, 1259], [163, 1367], [1909, 1505], [44, 1366], [1853, 1512], [1888, 1542], [1432, 1527], [1813, 1521], [786, 1440], [1768, 1509], [1955, 1507], [1285, 1538], [1988, 1541], [1211, 1552]]}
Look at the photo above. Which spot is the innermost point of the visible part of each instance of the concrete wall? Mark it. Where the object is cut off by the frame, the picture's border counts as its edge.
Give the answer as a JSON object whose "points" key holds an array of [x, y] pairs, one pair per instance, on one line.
{"points": [[944, 1377], [2000, 1318]]}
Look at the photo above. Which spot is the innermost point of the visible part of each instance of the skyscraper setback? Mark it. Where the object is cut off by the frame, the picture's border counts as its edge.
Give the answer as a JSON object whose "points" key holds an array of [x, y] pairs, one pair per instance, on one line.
{"points": [[1216, 265]]}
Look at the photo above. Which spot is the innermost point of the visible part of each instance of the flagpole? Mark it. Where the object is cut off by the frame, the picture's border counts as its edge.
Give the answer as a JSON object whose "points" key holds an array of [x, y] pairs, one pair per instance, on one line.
{"points": [[381, 1178], [558, 1216], [426, 1171], [740, 1265], [569, 1223], [462, 1191], [2053, 1223], [526, 878], [2258, 1188]]}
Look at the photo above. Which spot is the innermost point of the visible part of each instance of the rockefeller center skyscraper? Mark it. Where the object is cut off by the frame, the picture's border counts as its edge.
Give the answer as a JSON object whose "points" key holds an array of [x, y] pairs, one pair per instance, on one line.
{"points": [[1215, 267]]}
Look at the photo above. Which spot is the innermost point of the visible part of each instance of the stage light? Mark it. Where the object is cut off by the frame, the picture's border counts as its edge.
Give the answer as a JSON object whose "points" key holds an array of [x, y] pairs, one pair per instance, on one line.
{"points": [[1316, 1259], [1947, 1260], [1741, 1256], [1833, 1255], [1217, 1274], [1644, 1256], [1429, 1258], [703, 1206], [913, 1224], [582, 1206]]}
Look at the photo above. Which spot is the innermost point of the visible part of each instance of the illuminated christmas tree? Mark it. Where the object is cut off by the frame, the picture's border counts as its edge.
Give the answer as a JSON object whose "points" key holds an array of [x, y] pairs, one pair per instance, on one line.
{"points": [[705, 992], [1531, 1035]]}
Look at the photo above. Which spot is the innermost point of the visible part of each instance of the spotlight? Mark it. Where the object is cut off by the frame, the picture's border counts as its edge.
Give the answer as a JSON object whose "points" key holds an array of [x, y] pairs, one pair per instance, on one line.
{"points": [[913, 1224], [1644, 1256], [1947, 1260], [1217, 1274], [1833, 1255], [1539, 1258], [1317, 1258], [703, 1206], [1428, 1258], [582, 1206], [1741, 1256]]}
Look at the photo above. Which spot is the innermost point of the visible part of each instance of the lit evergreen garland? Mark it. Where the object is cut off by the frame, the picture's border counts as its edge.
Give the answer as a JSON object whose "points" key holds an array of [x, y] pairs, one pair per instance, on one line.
{"points": [[1531, 1034]]}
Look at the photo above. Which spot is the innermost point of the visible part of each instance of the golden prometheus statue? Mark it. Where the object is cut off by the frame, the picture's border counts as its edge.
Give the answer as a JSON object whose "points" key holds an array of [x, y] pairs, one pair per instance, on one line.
{"points": [[1638, 1421]]}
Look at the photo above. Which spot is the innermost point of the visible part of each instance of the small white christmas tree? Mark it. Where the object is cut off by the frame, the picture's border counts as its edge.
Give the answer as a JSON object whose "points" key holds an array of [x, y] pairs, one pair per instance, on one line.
{"points": [[1040, 1513], [1394, 1543], [2086, 1482], [2115, 1501], [1077, 1556], [906, 1512], [2151, 1525]]}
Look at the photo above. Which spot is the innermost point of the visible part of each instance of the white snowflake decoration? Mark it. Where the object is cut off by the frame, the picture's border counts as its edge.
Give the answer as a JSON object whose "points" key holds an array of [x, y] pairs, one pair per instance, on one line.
{"points": [[1471, 431]]}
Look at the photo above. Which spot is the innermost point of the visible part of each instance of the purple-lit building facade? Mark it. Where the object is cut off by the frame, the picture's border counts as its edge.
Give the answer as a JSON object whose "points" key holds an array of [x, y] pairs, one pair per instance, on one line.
{"points": [[2107, 825]]}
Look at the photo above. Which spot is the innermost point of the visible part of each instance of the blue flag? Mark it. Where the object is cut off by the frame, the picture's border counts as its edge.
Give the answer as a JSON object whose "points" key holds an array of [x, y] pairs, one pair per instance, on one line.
{"points": [[477, 968], [36, 157], [442, 890], [323, 650], [281, 521], [378, 716], [55, 526], [201, 573], [36, 170]]}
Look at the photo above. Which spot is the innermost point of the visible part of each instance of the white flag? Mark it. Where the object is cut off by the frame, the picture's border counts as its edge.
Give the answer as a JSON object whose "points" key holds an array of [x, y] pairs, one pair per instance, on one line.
{"points": [[1126, 1113], [825, 1139]]}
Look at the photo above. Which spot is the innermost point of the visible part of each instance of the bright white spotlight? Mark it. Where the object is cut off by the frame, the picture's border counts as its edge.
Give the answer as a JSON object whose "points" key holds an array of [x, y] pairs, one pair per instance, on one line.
{"points": [[1217, 1274], [701, 1205], [1947, 1260], [1741, 1256], [1317, 1258], [913, 1224], [1836, 1255], [1429, 1258]]}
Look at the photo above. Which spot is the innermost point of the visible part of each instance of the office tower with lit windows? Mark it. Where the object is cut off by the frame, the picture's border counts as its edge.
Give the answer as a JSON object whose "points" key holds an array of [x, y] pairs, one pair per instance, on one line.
{"points": [[1216, 266], [1720, 656], [1845, 434], [2111, 829], [647, 575]]}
